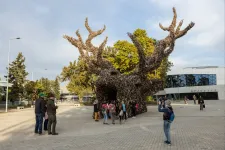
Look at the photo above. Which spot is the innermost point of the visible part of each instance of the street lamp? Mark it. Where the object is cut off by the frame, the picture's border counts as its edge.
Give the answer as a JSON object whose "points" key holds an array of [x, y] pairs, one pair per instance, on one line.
{"points": [[7, 91]]}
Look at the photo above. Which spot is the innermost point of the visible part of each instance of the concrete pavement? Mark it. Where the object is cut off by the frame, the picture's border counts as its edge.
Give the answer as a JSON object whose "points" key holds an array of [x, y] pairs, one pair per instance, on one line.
{"points": [[191, 129]]}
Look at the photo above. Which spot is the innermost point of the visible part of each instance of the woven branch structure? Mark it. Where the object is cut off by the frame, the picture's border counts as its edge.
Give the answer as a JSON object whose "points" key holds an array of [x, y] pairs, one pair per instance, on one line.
{"points": [[111, 84]]}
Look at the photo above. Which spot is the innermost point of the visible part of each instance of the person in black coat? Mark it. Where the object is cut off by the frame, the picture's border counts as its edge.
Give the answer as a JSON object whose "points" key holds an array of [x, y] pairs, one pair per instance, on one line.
{"points": [[201, 102], [96, 110], [39, 113]]}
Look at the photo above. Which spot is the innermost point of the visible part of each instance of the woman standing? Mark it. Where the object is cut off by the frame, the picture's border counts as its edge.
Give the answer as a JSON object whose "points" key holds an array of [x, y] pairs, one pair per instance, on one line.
{"points": [[104, 112], [201, 102]]}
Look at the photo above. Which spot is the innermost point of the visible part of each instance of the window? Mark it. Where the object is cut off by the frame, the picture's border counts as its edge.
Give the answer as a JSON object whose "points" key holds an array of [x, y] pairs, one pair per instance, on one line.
{"points": [[183, 80]]}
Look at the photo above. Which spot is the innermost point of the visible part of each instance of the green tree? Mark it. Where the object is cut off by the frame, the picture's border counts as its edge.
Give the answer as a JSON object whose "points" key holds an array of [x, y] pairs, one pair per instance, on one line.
{"points": [[17, 76], [80, 80], [124, 56], [1, 92], [45, 85], [30, 89], [56, 87]]}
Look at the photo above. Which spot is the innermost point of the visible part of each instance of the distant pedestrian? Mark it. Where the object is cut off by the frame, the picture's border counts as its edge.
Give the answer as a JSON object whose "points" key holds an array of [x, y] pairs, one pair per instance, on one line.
{"points": [[124, 109], [168, 116], [39, 113], [194, 98], [112, 110], [121, 112], [133, 108], [104, 112], [201, 102], [51, 111], [96, 110], [137, 108], [185, 100]]}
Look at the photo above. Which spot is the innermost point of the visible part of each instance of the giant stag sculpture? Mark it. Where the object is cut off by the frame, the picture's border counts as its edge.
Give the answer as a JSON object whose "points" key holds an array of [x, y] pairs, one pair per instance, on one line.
{"points": [[111, 84]]}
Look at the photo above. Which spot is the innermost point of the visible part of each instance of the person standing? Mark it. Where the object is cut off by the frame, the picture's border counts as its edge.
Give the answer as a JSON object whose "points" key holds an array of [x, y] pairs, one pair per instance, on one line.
{"points": [[51, 111], [121, 112], [45, 116], [167, 111], [104, 112], [112, 110], [39, 113], [96, 109], [133, 105], [124, 111], [194, 98], [201, 102], [185, 99]]}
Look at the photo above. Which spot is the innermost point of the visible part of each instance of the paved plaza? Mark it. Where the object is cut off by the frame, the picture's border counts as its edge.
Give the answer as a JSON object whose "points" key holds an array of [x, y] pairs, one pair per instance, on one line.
{"points": [[191, 130]]}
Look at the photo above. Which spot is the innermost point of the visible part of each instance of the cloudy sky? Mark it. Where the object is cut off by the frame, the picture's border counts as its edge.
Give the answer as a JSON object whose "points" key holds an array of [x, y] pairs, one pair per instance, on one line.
{"points": [[42, 23]]}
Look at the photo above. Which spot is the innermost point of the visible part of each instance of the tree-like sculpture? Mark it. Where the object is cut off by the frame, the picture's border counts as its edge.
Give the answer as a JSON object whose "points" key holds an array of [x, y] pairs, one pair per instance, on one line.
{"points": [[111, 84]]}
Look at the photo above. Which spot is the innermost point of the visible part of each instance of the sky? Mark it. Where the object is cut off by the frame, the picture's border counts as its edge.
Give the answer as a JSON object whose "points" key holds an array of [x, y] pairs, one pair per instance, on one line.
{"points": [[41, 25]]}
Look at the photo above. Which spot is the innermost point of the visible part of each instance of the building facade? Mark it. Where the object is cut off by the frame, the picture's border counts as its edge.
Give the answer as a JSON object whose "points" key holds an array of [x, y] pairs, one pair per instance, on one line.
{"points": [[209, 82]]}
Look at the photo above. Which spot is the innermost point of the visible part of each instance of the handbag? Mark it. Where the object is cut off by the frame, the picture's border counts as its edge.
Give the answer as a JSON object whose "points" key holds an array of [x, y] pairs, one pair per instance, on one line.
{"points": [[203, 105], [121, 113]]}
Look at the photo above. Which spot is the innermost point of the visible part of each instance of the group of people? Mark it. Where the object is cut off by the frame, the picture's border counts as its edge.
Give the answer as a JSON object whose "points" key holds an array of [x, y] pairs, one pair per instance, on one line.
{"points": [[200, 100], [45, 109], [114, 110]]}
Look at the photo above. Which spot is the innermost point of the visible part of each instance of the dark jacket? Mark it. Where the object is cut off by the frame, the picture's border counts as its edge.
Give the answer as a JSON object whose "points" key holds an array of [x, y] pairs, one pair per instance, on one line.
{"points": [[96, 108], [45, 105], [51, 108], [39, 106], [201, 101], [165, 111]]}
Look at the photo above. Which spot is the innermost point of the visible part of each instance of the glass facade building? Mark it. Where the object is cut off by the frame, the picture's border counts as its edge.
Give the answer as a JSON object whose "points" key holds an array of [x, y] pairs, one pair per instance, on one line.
{"points": [[185, 80]]}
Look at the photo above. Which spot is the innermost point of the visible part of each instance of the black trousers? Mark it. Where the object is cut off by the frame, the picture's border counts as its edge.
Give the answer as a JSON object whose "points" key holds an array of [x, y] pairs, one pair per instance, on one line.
{"points": [[51, 123], [134, 111], [46, 124]]}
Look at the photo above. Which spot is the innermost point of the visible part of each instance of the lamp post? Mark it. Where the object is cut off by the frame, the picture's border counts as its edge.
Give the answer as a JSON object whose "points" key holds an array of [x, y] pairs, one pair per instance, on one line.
{"points": [[7, 90]]}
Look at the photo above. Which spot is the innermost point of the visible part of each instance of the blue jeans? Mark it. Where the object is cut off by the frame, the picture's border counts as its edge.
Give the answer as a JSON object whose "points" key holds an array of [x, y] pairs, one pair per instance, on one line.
{"points": [[39, 123], [105, 118], [167, 130]]}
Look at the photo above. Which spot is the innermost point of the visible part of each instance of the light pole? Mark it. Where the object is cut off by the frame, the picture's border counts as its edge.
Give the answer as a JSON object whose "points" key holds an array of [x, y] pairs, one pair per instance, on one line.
{"points": [[7, 90]]}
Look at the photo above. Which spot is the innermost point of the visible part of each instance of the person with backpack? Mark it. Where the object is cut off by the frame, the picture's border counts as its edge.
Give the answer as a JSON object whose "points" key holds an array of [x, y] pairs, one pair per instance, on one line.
{"points": [[168, 117]]}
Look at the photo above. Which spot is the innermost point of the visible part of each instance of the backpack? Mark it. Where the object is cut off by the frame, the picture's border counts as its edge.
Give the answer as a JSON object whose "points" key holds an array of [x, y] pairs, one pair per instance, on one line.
{"points": [[171, 116]]}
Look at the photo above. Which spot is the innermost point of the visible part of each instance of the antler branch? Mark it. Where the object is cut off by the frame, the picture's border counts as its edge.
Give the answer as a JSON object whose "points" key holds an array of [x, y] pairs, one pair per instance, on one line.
{"points": [[163, 48], [95, 61], [93, 34], [141, 54]]}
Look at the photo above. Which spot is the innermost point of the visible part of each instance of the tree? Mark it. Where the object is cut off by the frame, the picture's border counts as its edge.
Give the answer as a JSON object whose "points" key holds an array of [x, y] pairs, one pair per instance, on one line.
{"points": [[1, 92], [30, 89], [56, 88], [17, 76], [125, 58], [80, 79], [111, 84]]}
